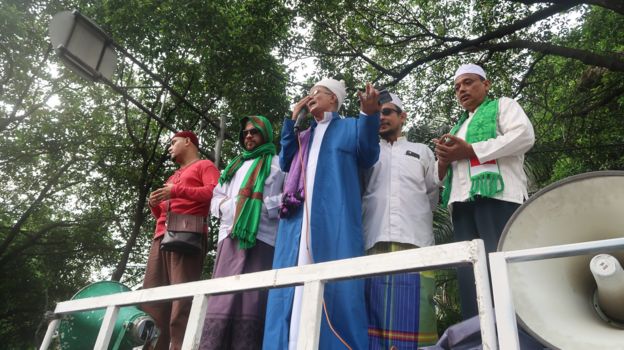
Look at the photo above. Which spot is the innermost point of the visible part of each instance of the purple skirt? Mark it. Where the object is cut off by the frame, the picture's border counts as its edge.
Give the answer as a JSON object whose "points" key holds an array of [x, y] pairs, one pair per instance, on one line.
{"points": [[236, 321]]}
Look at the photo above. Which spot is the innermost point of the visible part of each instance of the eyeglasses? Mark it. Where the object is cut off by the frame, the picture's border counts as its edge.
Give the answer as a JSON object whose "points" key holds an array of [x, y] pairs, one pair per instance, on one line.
{"points": [[388, 111], [251, 132], [320, 91]]}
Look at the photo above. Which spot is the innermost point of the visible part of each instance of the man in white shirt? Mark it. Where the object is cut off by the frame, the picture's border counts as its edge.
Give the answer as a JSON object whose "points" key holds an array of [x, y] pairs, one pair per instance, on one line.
{"points": [[481, 162], [400, 194], [247, 202]]}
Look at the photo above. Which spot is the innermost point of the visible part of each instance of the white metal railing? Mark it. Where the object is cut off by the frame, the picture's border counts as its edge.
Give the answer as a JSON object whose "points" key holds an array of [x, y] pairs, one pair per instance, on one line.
{"points": [[313, 277], [505, 310]]}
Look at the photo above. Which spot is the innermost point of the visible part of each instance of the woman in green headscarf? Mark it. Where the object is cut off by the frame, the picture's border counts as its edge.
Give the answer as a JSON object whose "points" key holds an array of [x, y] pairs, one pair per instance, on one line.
{"points": [[247, 202]]}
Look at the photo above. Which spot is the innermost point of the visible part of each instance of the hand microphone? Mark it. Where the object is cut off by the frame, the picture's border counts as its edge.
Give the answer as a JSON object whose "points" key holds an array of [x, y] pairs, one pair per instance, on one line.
{"points": [[300, 118]]}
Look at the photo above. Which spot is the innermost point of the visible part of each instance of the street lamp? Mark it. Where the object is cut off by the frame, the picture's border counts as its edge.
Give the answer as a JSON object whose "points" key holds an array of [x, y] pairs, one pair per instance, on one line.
{"points": [[83, 46], [87, 50]]}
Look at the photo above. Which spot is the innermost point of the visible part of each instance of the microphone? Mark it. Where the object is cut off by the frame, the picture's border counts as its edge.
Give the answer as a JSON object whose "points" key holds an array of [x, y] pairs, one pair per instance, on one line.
{"points": [[300, 118]]}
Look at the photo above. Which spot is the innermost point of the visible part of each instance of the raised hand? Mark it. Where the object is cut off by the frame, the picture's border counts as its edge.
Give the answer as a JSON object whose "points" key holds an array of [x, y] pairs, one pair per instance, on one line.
{"points": [[369, 100], [301, 104]]}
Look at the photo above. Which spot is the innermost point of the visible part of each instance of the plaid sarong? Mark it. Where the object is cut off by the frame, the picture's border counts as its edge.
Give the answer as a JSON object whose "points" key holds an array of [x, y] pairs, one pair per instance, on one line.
{"points": [[400, 307]]}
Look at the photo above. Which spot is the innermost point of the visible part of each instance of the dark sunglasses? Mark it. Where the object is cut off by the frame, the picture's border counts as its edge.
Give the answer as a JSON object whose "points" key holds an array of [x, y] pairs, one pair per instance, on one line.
{"points": [[388, 111], [251, 132]]}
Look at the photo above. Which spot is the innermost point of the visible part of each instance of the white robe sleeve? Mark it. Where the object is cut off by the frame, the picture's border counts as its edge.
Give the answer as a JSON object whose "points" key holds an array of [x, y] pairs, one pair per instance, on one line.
{"points": [[218, 204], [431, 178], [273, 190]]}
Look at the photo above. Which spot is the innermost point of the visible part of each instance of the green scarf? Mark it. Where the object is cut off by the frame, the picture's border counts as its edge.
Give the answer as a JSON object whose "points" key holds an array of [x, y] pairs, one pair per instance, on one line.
{"points": [[481, 127], [249, 198]]}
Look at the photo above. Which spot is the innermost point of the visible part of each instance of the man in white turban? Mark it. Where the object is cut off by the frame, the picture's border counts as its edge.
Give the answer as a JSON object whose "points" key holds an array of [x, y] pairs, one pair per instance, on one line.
{"points": [[321, 213], [481, 164]]}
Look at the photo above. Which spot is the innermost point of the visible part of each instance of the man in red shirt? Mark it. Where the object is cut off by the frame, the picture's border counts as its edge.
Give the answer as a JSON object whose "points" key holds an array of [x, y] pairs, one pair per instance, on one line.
{"points": [[188, 191]]}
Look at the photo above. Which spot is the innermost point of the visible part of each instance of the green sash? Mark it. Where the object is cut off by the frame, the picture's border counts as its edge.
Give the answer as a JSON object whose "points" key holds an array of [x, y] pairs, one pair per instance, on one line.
{"points": [[485, 178]]}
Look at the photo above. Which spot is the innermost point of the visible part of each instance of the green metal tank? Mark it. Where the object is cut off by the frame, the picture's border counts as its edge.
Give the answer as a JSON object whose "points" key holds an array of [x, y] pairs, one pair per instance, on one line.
{"points": [[133, 327]]}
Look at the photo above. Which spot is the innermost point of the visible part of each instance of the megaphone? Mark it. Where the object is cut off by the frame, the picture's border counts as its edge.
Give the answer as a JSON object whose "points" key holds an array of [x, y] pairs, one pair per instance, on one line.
{"points": [[557, 300], [133, 328]]}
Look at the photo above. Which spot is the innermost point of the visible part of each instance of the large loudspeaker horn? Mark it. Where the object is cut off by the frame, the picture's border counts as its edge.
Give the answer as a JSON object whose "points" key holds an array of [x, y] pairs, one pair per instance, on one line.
{"points": [[79, 331], [553, 298]]}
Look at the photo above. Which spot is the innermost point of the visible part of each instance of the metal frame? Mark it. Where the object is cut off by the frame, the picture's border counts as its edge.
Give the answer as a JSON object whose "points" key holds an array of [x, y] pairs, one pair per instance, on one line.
{"points": [[313, 277], [506, 324]]}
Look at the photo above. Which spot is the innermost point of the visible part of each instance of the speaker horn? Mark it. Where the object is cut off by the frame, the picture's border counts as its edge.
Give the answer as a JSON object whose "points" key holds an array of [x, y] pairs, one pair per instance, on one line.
{"points": [[554, 298], [133, 328]]}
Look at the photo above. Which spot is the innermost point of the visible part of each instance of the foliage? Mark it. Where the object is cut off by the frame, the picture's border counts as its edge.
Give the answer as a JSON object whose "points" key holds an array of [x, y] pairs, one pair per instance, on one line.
{"points": [[79, 159], [577, 111], [446, 298]]}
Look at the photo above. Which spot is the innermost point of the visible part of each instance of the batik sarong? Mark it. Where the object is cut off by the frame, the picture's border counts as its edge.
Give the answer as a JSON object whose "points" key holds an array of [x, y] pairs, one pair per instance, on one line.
{"points": [[400, 307]]}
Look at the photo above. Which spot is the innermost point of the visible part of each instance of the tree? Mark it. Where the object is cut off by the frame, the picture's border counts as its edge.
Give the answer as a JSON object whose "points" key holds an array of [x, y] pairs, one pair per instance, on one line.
{"points": [[81, 159]]}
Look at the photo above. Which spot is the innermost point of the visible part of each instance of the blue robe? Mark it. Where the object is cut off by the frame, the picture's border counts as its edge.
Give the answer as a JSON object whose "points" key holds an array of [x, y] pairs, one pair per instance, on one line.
{"points": [[336, 231]]}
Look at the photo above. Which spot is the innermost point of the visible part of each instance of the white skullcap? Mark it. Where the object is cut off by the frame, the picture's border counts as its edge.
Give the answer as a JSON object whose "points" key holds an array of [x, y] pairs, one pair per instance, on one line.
{"points": [[396, 101], [335, 86], [470, 68]]}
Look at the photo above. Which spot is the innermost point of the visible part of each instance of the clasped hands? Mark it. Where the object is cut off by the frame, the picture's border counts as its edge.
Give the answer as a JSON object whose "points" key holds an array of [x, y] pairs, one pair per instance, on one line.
{"points": [[450, 148], [160, 195]]}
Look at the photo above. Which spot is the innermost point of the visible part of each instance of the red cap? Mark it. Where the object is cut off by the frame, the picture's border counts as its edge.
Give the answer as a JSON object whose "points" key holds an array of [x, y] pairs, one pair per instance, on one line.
{"points": [[191, 135]]}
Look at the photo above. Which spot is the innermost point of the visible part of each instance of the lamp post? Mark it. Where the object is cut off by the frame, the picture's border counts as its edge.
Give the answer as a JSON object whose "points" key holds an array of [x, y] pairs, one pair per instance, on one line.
{"points": [[91, 53]]}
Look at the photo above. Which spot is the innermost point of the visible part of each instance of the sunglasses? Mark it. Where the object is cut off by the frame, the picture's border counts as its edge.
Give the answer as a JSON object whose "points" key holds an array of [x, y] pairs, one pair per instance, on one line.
{"points": [[388, 111], [251, 132]]}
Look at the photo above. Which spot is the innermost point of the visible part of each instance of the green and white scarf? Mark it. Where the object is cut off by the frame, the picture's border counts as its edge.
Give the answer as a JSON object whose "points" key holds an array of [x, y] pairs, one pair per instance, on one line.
{"points": [[249, 198], [485, 178]]}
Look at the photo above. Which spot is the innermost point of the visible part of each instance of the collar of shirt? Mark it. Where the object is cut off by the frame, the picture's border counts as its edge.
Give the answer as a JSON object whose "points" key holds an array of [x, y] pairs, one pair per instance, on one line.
{"points": [[401, 140], [327, 117]]}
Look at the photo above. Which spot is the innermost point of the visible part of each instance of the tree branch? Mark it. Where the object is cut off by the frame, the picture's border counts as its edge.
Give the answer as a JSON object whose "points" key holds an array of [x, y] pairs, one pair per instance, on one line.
{"points": [[20, 100], [498, 33], [587, 57], [15, 229], [613, 5], [33, 238], [523, 82]]}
